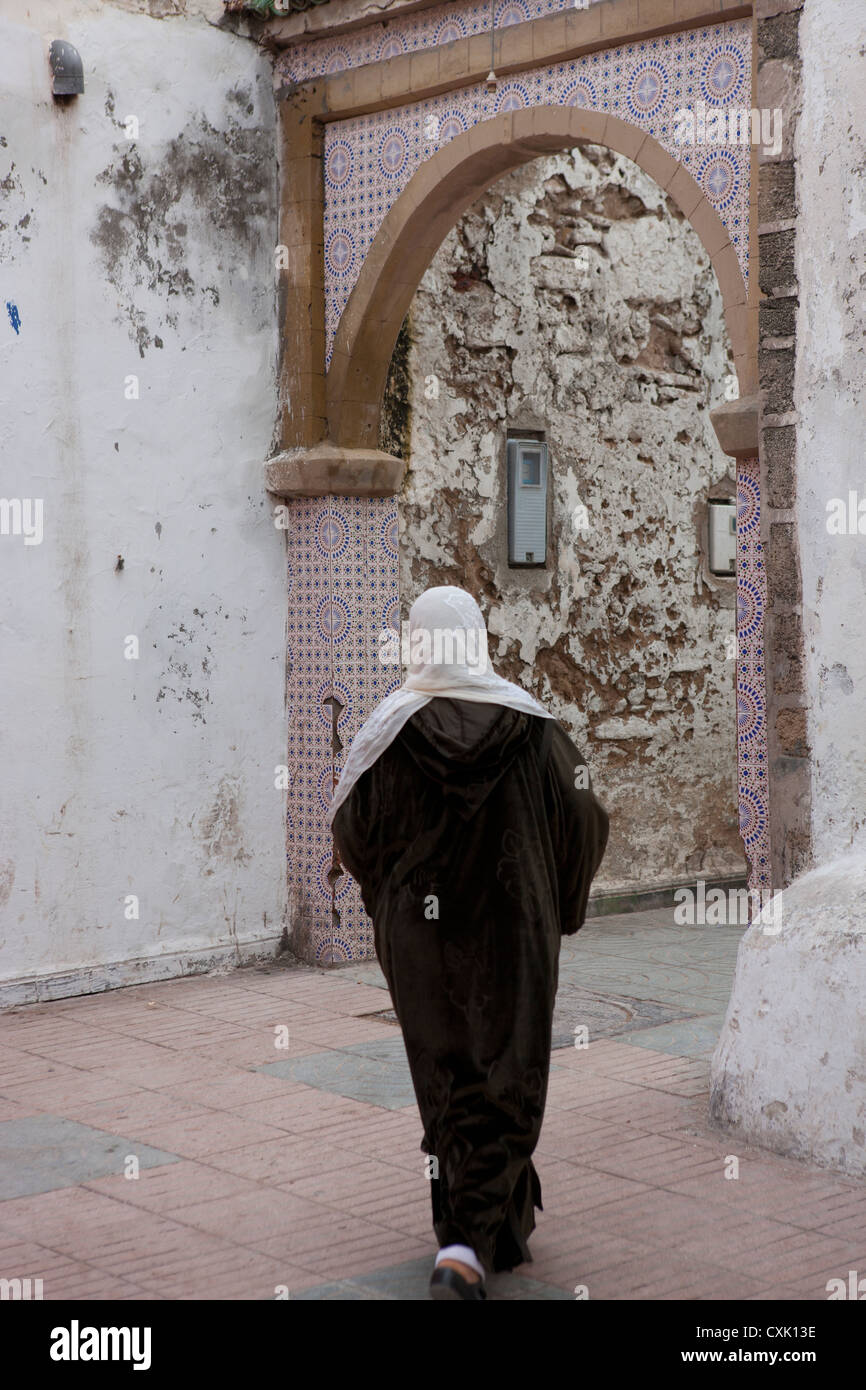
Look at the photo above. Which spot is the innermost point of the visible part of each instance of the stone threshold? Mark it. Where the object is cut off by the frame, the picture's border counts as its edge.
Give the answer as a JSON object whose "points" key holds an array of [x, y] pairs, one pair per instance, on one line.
{"points": [[608, 904]]}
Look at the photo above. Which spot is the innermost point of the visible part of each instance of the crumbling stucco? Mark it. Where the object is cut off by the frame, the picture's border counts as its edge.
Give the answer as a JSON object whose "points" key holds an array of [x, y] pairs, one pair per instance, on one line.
{"points": [[574, 298]]}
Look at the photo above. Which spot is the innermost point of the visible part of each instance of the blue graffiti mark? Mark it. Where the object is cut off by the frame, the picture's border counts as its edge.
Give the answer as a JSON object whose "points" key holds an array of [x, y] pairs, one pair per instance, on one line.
{"points": [[14, 316]]}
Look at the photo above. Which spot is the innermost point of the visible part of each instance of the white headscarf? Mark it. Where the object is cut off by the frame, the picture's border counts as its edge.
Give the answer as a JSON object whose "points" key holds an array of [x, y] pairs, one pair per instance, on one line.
{"points": [[441, 611]]}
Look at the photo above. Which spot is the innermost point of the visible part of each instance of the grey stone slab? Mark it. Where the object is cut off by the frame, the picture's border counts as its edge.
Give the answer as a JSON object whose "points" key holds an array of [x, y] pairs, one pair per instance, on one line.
{"points": [[410, 1282], [695, 1037], [368, 973], [377, 1073], [44, 1152], [343, 1291], [605, 1015]]}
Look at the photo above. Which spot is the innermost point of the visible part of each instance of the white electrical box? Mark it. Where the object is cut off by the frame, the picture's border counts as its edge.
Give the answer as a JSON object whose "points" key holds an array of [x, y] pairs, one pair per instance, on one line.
{"points": [[527, 502], [722, 517]]}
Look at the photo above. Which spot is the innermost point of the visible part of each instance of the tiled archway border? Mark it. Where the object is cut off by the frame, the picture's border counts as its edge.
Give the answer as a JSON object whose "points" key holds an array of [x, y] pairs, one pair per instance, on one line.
{"points": [[433, 200], [752, 760], [649, 84]]}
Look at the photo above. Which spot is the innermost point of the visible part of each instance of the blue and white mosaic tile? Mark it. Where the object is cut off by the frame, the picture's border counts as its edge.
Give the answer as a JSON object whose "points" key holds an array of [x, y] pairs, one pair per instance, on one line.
{"points": [[369, 160]]}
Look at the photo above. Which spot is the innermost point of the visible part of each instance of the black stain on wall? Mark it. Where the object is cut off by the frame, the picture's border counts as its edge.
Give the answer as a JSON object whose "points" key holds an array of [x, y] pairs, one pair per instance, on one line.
{"points": [[211, 189]]}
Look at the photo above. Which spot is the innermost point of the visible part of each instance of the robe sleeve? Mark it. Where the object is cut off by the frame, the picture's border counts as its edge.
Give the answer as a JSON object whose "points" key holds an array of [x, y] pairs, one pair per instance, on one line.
{"points": [[357, 831], [579, 826]]}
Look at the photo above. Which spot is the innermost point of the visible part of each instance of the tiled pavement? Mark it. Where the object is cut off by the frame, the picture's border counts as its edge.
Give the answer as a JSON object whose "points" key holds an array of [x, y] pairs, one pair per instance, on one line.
{"points": [[263, 1168]]}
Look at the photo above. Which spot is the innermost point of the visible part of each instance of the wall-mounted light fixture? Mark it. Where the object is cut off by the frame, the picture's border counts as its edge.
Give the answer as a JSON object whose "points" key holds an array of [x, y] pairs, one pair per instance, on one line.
{"points": [[491, 82], [527, 501], [722, 526], [67, 69]]}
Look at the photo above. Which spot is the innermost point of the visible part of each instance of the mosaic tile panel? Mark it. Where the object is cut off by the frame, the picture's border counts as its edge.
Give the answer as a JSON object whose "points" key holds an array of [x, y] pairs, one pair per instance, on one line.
{"points": [[411, 33], [751, 682], [343, 586], [369, 160]]}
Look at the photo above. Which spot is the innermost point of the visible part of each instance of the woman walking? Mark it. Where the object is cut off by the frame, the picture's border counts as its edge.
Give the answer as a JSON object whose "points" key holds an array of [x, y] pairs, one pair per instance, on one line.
{"points": [[466, 815]]}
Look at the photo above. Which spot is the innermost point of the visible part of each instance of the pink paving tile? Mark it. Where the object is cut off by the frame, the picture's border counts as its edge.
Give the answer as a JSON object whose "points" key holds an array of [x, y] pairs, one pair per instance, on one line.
{"points": [[236, 1005], [691, 1280], [270, 1163], [851, 1226], [29, 1069], [19, 1109], [132, 1114], [364, 1140], [363, 1187], [72, 1093], [308, 1155], [294, 1110], [812, 1283], [567, 1256], [209, 1268], [31, 1029], [765, 1184], [646, 1109], [256, 1049], [353, 1247], [25, 1259], [569, 1090], [663, 1218], [173, 1068], [797, 1256], [608, 1057], [171, 1186], [253, 1215], [343, 1032], [323, 987], [109, 1051], [309, 1110], [778, 1293], [214, 1132], [76, 1280], [657, 1159], [232, 1089], [621, 1270], [568, 1136], [89, 1226], [589, 1192]]}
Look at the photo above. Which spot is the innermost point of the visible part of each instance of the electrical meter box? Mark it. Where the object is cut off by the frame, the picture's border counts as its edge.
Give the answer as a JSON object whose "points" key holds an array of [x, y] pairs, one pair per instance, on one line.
{"points": [[527, 501], [722, 519]]}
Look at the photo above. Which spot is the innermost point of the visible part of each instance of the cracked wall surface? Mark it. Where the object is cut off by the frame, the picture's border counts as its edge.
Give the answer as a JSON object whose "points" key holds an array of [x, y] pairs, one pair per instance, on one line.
{"points": [[140, 376], [574, 298]]}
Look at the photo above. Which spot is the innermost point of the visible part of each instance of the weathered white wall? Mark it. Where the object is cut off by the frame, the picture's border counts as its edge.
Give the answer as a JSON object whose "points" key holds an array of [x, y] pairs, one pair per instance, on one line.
{"points": [[624, 633], [150, 257], [789, 1071], [830, 387]]}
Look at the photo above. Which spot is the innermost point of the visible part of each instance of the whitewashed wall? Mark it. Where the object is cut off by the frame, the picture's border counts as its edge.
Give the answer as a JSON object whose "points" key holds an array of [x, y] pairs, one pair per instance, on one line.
{"points": [[789, 1071], [831, 405], [150, 257]]}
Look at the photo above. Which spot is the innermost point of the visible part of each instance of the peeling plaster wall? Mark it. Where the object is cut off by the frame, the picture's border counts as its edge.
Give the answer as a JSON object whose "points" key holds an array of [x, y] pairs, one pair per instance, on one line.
{"points": [[830, 400], [149, 258], [624, 634], [789, 1071]]}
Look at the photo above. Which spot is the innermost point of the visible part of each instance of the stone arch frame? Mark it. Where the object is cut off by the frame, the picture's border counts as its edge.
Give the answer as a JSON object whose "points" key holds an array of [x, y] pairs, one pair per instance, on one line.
{"points": [[435, 198]]}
